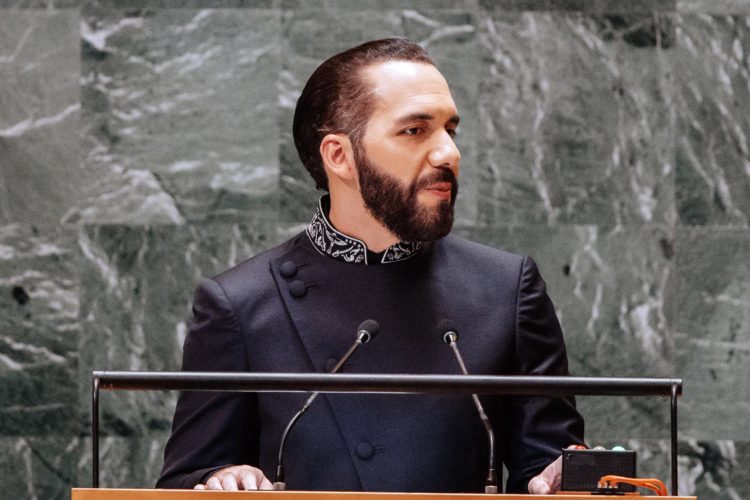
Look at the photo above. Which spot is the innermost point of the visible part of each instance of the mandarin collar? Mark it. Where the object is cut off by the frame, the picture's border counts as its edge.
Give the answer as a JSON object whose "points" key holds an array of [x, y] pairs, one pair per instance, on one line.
{"points": [[328, 241]]}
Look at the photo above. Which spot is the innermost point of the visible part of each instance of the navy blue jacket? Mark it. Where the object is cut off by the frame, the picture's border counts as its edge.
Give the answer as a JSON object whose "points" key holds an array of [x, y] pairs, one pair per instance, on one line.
{"points": [[292, 309]]}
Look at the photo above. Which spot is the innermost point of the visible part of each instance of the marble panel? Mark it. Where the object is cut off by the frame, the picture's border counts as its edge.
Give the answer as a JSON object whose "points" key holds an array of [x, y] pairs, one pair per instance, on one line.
{"points": [[124, 462], [713, 6], [38, 468], [137, 289], [711, 293], [39, 331], [180, 113], [590, 6], [310, 38], [87, 5], [40, 176], [609, 287], [380, 5], [576, 118], [714, 470], [39, 4], [713, 106]]}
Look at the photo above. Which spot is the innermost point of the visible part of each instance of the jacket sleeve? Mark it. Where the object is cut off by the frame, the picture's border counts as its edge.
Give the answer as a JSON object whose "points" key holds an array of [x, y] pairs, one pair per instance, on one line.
{"points": [[535, 429], [211, 430]]}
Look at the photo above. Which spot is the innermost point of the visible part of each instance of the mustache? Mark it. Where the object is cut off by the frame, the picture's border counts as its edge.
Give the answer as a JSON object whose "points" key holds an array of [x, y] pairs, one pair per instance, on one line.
{"points": [[443, 175]]}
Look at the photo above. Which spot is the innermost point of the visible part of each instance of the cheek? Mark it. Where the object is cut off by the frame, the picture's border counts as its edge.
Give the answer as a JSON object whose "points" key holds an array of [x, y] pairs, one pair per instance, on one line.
{"points": [[403, 162], [402, 165]]}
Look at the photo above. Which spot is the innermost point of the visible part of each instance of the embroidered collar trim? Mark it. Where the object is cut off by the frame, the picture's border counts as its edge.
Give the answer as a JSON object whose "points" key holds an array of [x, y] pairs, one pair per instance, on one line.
{"points": [[328, 241]]}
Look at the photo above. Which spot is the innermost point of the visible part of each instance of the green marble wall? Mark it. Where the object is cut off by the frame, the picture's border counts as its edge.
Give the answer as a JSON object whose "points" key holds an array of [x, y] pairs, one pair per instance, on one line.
{"points": [[144, 144]]}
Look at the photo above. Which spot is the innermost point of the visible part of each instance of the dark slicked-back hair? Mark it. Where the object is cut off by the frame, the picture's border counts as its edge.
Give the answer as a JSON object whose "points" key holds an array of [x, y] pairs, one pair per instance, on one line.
{"points": [[337, 99]]}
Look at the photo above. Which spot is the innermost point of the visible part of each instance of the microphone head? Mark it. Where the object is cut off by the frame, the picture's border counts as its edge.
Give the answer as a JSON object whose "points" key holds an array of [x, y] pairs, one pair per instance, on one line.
{"points": [[367, 330], [447, 329]]}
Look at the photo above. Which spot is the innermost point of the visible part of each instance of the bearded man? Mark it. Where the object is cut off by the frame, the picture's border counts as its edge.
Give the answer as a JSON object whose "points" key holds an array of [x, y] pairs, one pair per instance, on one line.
{"points": [[375, 127]]}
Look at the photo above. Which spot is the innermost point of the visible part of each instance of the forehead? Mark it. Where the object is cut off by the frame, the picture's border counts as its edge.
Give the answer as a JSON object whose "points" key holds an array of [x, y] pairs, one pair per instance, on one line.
{"points": [[405, 87]]}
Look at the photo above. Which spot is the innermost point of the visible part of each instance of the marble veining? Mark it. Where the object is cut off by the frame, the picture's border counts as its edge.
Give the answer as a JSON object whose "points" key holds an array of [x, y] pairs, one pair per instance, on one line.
{"points": [[39, 330], [179, 106], [39, 110], [605, 160], [712, 152], [711, 318]]}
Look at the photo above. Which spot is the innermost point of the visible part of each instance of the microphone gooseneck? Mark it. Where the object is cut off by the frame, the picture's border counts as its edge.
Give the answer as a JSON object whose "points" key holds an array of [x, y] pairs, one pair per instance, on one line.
{"points": [[449, 332], [366, 331]]}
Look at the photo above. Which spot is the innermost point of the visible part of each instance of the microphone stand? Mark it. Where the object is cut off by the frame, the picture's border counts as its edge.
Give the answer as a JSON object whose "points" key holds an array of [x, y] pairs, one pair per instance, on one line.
{"points": [[490, 486], [366, 331]]}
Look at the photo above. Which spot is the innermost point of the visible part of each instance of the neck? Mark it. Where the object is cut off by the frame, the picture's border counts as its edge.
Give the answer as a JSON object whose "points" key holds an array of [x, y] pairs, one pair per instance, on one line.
{"points": [[350, 216]]}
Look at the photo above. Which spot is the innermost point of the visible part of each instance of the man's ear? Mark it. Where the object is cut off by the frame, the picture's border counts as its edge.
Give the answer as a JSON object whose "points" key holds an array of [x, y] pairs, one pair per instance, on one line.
{"points": [[338, 157]]}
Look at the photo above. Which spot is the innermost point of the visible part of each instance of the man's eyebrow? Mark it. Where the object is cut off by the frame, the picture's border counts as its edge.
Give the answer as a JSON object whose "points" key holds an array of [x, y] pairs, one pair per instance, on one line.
{"points": [[424, 117]]}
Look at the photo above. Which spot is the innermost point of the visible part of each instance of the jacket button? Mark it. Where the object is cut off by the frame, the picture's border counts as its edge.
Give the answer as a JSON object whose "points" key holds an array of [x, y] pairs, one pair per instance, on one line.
{"points": [[364, 450], [298, 288], [288, 269]]}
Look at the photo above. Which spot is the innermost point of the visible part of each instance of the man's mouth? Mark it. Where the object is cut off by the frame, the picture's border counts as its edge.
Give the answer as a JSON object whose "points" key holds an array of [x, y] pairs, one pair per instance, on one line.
{"points": [[441, 186], [439, 189]]}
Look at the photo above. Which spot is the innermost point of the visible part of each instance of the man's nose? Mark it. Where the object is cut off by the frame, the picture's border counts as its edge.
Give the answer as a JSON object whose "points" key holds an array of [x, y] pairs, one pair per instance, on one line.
{"points": [[445, 153]]}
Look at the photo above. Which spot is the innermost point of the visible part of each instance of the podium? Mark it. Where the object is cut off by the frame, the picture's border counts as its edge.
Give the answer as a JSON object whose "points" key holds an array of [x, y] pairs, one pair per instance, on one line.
{"points": [[132, 494], [554, 386]]}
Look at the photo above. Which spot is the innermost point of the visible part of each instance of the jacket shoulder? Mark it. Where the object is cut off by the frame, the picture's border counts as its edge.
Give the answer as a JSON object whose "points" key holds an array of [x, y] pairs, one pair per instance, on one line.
{"points": [[253, 276], [482, 255]]}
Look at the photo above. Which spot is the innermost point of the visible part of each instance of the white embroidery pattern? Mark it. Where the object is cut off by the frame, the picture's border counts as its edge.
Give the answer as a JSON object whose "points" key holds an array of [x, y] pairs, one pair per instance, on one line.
{"points": [[328, 241]]}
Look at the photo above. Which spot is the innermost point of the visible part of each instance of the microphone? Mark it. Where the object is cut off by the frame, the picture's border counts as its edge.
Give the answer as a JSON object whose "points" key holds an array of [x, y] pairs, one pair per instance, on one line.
{"points": [[366, 331], [449, 332]]}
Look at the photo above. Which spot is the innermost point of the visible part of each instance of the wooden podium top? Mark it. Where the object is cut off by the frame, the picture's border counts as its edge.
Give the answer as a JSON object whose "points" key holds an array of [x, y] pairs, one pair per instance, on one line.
{"points": [[141, 494]]}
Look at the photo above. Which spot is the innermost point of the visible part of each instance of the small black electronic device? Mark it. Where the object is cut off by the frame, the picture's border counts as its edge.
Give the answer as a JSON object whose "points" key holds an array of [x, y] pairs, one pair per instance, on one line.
{"points": [[582, 469]]}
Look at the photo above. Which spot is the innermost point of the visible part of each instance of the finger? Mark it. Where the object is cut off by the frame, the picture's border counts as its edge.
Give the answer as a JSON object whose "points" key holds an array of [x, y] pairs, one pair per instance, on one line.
{"points": [[199, 487], [249, 481], [213, 483], [538, 486], [552, 470], [552, 475], [229, 482], [265, 484]]}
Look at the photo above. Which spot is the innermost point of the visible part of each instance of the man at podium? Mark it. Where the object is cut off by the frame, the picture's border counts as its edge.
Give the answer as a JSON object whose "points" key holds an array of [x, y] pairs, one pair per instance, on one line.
{"points": [[375, 127]]}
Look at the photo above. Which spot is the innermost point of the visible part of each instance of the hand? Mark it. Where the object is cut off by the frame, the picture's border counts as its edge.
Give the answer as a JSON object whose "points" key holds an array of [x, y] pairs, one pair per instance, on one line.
{"points": [[236, 477], [549, 481]]}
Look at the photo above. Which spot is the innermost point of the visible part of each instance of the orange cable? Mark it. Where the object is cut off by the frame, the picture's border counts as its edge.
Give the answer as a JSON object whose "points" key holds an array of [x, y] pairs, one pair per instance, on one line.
{"points": [[655, 485]]}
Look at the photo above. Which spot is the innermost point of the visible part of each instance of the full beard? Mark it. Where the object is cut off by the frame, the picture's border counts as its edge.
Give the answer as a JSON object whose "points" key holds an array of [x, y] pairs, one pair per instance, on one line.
{"points": [[396, 206]]}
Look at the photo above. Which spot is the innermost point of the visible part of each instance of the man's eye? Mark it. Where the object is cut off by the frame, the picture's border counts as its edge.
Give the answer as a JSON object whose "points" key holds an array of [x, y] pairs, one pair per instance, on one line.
{"points": [[452, 132], [413, 131]]}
